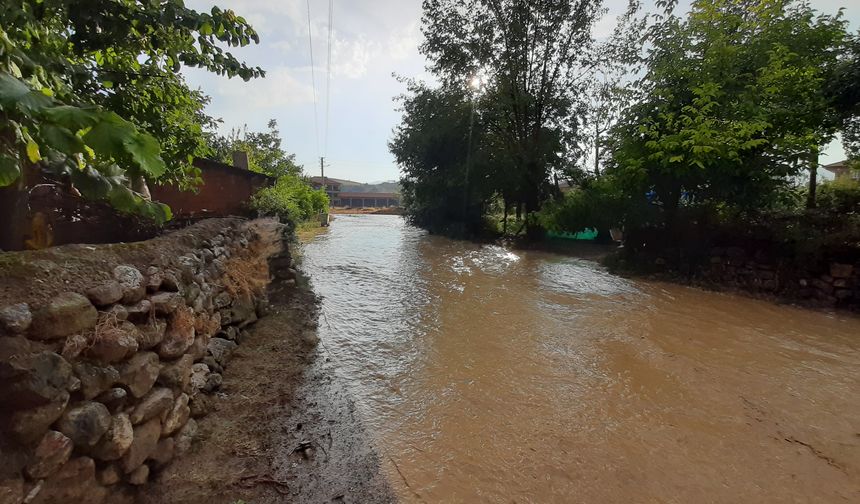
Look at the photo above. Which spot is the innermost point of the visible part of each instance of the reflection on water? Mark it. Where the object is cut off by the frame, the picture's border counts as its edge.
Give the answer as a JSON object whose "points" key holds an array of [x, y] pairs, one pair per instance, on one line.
{"points": [[491, 375]]}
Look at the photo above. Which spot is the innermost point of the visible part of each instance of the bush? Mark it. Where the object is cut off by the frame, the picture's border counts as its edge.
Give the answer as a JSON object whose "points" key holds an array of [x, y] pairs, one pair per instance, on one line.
{"points": [[598, 204], [841, 196], [291, 200]]}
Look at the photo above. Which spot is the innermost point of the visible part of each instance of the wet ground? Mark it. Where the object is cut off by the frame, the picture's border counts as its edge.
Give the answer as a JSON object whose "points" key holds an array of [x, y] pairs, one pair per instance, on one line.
{"points": [[484, 374], [283, 430]]}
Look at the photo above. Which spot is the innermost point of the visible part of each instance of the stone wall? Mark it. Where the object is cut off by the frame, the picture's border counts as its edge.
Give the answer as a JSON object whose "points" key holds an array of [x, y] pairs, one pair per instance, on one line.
{"points": [[100, 384], [822, 283]]}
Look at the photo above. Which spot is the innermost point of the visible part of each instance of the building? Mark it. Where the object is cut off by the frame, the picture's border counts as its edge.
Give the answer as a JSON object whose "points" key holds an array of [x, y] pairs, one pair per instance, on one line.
{"points": [[332, 186], [366, 200], [338, 197], [843, 170], [226, 190]]}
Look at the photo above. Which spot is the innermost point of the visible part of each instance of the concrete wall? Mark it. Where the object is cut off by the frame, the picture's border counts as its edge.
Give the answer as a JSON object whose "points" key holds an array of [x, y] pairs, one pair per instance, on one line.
{"points": [[100, 380]]}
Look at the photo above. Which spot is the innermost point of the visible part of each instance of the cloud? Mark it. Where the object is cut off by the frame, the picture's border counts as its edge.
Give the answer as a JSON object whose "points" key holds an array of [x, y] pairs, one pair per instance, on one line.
{"points": [[280, 88], [350, 57], [404, 44], [283, 45]]}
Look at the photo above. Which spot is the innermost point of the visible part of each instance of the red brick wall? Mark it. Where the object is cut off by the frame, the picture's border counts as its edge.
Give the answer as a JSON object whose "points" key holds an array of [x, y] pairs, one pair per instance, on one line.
{"points": [[226, 190]]}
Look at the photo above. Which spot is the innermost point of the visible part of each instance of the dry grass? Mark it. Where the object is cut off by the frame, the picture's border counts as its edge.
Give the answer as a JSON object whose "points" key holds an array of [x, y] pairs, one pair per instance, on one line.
{"points": [[247, 273], [182, 320]]}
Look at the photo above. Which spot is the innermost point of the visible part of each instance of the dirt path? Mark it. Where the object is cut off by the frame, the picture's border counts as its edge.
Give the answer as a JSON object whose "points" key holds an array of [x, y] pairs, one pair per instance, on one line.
{"points": [[284, 429]]}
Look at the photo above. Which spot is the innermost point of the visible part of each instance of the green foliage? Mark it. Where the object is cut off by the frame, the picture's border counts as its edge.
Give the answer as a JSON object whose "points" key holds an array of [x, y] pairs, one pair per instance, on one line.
{"points": [[445, 175], [840, 196], [519, 65], [733, 104], [291, 200], [265, 154], [597, 203], [89, 90], [843, 90]]}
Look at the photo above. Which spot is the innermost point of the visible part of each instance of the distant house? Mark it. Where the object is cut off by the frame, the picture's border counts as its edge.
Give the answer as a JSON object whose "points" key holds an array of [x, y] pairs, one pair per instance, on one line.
{"points": [[332, 186], [367, 200], [843, 170], [346, 193]]}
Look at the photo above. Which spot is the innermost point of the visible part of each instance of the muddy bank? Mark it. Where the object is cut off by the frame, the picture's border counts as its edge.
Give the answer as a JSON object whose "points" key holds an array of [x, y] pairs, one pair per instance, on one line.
{"points": [[283, 429]]}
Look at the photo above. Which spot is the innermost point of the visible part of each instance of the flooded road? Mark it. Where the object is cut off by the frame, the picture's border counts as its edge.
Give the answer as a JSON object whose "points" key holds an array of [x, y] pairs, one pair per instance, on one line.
{"points": [[491, 375]]}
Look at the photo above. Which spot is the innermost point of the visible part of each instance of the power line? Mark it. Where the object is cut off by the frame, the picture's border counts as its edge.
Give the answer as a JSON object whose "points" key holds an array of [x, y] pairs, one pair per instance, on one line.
{"points": [[328, 76], [313, 78]]}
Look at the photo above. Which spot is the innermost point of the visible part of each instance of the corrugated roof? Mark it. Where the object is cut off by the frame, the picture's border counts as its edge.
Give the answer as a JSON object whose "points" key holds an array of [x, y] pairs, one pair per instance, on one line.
{"points": [[347, 195]]}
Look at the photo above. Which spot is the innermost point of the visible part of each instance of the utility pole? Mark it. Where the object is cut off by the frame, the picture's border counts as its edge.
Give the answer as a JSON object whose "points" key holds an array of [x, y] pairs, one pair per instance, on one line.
{"points": [[322, 174], [324, 216]]}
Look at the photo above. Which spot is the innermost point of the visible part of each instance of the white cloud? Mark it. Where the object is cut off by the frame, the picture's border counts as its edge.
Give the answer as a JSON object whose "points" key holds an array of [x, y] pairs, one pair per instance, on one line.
{"points": [[283, 45], [280, 88], [350, 57], [403, 45]]}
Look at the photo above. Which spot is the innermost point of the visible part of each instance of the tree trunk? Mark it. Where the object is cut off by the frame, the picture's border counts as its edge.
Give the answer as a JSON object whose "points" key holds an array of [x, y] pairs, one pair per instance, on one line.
{"points": [[505, 220], [813, 179], [596, 151]]}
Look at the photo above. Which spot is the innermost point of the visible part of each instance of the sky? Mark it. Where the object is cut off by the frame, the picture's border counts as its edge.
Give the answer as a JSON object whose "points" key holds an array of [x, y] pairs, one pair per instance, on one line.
{"points": [[373, 40]]}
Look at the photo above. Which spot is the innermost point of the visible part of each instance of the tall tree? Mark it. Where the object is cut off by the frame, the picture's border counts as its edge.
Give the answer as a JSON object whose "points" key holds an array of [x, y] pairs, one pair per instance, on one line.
{"points": [[439, 145], [733, 102], [533, 58], [265, 154], [844, 93]]}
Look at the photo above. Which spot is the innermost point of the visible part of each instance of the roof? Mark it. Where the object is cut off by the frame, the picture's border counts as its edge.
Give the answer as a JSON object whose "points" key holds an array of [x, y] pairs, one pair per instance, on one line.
{"points": [[837, 166], [329, 180], [206, 164], [368, 195]]}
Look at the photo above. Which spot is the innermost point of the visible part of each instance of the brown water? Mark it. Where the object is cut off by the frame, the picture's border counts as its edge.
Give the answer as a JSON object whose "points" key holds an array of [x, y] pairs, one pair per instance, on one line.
{"points": [[491, 375]]}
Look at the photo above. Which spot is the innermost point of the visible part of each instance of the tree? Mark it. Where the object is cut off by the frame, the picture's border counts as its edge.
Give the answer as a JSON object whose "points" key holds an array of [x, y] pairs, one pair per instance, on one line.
{"points": [[265, 154], [733, 103], [89, 88], [532, 58], [843, 89], [439, 145]]}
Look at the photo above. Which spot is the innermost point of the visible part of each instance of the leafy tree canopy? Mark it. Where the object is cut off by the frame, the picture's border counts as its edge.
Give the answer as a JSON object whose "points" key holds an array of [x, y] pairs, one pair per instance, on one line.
{"points": [[265, 154], [89, 90], [733, 102]]}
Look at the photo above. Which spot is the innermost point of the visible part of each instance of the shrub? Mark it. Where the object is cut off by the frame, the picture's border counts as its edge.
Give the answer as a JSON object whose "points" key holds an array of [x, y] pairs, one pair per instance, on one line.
{"points": [[598, 204], [291, 200], [841, 196]]}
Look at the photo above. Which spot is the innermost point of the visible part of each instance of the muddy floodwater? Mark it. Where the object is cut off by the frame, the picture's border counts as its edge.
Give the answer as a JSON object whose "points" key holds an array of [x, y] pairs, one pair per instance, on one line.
{"points": [[492, 375]]}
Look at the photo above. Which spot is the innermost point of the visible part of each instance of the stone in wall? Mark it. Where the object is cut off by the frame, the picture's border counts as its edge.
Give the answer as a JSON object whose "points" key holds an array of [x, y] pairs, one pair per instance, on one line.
{"points": [[98, 387], [64, 315]]}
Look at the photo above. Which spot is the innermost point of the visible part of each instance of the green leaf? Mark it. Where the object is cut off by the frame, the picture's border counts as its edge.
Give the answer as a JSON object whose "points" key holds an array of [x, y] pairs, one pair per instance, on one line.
{"points": [[146, 152], [33, 151], [61, 139], [10, 170], [206, 28], [14, 93], [116, 138], [11, 89], [73, 118]]}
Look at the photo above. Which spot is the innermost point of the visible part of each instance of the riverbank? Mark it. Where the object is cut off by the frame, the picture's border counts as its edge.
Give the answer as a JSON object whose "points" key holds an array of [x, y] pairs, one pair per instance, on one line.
{"points": [[817, 283], [283, 429], [178, 369]]}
